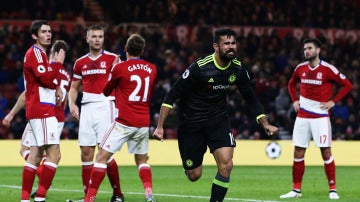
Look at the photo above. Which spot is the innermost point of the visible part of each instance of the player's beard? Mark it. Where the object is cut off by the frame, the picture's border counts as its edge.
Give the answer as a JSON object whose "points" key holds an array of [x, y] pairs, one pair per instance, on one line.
{"points": [[311, 57], [228, 55]]}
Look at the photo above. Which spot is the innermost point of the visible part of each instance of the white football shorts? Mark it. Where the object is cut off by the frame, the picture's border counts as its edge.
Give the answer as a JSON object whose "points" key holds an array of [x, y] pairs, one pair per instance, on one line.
{"points": [[95, 119], [137, 139], [44, 131], [27, 134], [319, 129]]}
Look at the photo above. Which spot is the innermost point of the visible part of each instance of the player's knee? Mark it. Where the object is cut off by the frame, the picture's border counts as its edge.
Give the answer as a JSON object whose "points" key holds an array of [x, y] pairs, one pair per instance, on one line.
{"points": [[225, 169], [193, 175]]}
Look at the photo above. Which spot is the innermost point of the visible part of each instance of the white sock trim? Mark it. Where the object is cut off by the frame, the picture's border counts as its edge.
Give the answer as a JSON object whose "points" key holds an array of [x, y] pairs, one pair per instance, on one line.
{"points": [[331, 159], [87, 163], [110, 159], [24, 153], [100, 165], [298, 160], [51, 164], [30, 165], [144, 165]]}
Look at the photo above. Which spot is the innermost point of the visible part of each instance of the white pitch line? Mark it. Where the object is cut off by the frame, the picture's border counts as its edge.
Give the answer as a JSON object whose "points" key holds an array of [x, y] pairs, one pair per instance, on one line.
{"points": [[138, 193]]}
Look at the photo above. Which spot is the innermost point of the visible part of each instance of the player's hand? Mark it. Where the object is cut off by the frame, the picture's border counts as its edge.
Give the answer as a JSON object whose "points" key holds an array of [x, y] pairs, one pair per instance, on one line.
{"points": [[74, 111], [327, 105], [271, 130], [59, 96], [159, 133], [296, 105], [7, 120], [59, 56]]}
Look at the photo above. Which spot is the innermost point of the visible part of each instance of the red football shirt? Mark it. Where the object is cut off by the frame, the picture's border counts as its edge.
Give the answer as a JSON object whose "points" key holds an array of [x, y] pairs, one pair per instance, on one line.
{"points": [[316, 86], [40, 88], [94, 73], [134, 82], [64, 80]]}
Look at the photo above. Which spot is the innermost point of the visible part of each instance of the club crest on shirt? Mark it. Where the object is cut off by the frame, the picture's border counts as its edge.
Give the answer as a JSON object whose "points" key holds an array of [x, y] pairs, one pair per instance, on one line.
{"points": [[319, 75], [103, 64], [232, 78]]}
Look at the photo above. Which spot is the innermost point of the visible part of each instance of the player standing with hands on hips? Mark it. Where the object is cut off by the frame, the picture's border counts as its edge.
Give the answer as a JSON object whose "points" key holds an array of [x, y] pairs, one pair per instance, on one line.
{"points": [[204, 121], [97, 111], [312, 104], [42, 94], [133, 81]]}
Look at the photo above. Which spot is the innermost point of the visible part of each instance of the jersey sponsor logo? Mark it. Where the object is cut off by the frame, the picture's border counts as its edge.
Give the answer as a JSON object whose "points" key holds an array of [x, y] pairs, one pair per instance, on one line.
{"points": [[311, 81], [232, 78], [140, 67], [221, 87], [186, 74], [211, 80], [94, 71], [41, 69]]}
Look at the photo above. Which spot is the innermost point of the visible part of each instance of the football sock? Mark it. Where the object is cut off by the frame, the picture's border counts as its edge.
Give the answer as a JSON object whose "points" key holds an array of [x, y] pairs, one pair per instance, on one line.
{"points": [[85, 174], [146, 178], [330, 170], [298, 170], [45, 179], [97, 175], [41, 166], [28, 177], [219, 188], [114, 177], [25, 154]]}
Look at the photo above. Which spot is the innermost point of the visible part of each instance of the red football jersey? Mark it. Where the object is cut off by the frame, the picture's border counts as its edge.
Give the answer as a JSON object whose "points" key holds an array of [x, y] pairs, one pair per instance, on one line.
{"points": [[40, 88], [134, 82], [64, 81], [94, 73], [316, 86]]}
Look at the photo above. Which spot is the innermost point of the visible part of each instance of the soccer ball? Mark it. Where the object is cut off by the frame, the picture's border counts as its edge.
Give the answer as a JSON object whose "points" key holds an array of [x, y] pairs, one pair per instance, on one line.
{"points": [[273, 150]]}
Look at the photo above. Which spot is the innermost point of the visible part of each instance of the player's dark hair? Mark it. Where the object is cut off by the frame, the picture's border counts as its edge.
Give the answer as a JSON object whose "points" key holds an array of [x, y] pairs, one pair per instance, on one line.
{"points": [[314, 41], [223, 32], [59, 44], [135, 45], [36, 25]]}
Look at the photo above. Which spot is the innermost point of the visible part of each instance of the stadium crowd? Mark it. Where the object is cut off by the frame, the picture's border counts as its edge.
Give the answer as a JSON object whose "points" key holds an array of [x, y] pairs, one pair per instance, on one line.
{"points": [[269, 58]]}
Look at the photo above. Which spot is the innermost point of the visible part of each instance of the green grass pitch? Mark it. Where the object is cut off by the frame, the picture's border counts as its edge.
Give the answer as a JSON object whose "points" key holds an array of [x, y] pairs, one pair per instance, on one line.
{"points": [[247, 183]]}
